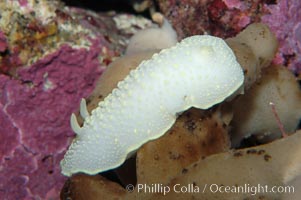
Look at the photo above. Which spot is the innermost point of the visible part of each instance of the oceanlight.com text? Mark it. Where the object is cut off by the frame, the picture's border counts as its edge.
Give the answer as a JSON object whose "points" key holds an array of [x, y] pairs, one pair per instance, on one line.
{"points": [[212, 188]]}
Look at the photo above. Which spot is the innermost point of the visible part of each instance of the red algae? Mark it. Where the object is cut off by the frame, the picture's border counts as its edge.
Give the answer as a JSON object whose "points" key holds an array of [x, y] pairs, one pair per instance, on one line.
{"points": [[23, 3], [284, 20], [226, 18], [11, 140], [235, 4], [223, 18], [36, 115]]}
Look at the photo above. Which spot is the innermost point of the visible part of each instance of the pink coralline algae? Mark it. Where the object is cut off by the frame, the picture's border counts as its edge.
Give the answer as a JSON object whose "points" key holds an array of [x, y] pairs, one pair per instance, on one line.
{"points": [[223, 18], [35, 112], [226, 18], [285, 21]]}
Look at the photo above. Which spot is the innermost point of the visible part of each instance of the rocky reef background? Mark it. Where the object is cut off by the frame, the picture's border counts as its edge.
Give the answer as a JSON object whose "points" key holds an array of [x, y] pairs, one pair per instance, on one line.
{"points": [[52, 53], [225, 18]]}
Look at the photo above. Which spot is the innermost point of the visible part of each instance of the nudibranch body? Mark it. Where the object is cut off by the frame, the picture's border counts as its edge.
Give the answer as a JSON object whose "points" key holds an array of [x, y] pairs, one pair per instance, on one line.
{"points": [[200, 72]]}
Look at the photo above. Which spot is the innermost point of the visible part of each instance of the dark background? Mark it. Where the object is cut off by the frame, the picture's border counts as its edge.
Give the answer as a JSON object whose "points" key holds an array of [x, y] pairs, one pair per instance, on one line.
{"points": [[103, 5]]}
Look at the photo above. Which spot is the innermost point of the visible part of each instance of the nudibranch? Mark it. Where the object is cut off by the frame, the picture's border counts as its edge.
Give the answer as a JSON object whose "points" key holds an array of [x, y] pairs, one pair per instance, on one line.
{"points": [[200, 72]]}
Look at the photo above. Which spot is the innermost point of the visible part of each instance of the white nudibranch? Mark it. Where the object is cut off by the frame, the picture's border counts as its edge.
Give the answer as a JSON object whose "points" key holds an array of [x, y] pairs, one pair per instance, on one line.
{"points": [[200, 72]]}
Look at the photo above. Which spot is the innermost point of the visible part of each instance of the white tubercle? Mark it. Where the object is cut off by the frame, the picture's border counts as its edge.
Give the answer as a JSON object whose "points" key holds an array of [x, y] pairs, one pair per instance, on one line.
{"points": [[83, 109], [74, 124], [200, 72]]}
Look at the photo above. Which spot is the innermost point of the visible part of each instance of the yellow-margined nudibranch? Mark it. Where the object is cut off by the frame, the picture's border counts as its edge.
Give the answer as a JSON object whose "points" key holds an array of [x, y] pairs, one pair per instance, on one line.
{"points": [[200, 72]]}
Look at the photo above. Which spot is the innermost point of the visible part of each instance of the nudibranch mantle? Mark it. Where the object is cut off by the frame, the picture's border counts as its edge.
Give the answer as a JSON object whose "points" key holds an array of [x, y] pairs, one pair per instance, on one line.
{"points": [[200, 72]]}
